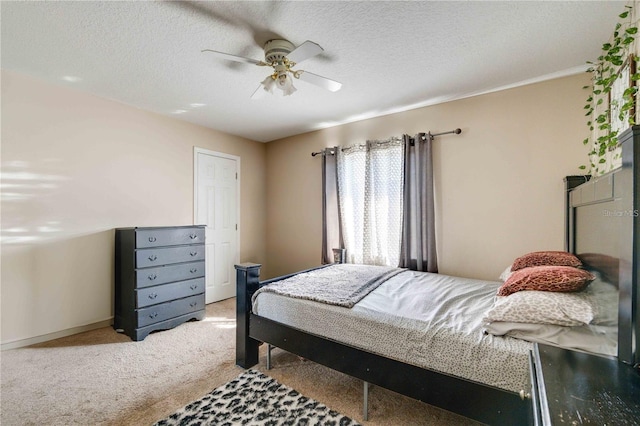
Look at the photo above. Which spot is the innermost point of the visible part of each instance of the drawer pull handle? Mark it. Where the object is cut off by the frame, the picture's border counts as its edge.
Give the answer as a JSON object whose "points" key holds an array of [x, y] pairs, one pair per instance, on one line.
{"points": [[153, 257], [153, 295], [193, 286], [153, 277], [193, 253], [153, 315], [193, 304], [193, 270], [152, 239], [193, 236]]}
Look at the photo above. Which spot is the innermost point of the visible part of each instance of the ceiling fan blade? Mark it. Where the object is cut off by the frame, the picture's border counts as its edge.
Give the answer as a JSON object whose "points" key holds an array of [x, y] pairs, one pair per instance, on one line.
{"points": [[259, 93], [235, 58], [306, 50], [320, 81]]}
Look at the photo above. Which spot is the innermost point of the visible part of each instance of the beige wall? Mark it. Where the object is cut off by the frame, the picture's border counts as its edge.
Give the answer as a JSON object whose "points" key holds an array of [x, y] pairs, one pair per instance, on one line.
{"points": [[499, 185], [74, 167]]}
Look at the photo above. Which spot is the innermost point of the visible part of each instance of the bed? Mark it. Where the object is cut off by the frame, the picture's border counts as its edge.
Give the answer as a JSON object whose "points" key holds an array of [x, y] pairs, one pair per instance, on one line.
{"points": [[489, 383]]}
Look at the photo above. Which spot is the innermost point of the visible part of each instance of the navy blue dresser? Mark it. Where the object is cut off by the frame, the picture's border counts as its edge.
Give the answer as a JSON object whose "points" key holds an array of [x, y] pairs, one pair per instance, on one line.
{"points": [[159, 278]]}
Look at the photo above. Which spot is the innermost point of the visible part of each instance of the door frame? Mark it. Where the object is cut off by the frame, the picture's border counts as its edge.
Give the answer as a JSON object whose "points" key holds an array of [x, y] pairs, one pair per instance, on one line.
{"points": [[196, 151]]}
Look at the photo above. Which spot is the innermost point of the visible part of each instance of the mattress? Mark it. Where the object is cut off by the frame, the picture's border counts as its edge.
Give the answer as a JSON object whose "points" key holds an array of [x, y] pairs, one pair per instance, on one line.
{"points": [[429, 320]]}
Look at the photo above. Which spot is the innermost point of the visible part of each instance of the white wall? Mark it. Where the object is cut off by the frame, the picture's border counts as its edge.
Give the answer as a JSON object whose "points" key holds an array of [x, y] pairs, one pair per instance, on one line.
{"points": [[499, 185], [74, 167]]}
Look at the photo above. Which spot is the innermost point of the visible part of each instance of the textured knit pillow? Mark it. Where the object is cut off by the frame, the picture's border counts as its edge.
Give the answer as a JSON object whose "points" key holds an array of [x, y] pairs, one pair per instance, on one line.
{"points": [[546, 278], [546, 258]]}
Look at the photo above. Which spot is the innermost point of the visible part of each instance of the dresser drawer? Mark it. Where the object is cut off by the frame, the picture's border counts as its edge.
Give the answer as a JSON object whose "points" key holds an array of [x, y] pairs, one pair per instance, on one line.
{"points": [[164, 311], [169, 237], [159, 294], [167, 255], [167, 274]]}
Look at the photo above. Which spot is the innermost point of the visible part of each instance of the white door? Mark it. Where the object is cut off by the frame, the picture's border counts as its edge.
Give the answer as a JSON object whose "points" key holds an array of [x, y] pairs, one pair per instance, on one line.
{"points": [[216, 195]]}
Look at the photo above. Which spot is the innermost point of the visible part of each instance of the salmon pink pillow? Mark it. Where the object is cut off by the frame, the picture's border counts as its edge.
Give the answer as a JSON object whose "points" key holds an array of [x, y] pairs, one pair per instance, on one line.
{"points": [[546, 258], [546, 278]]}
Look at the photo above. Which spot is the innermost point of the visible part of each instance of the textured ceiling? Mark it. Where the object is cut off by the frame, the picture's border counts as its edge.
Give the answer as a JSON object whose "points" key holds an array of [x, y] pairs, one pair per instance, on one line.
{"points": [[389, 56]]}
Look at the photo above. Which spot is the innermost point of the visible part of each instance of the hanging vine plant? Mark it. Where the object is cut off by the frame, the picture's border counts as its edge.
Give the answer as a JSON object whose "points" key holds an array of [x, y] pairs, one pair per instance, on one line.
{"points": [[611, 104]]}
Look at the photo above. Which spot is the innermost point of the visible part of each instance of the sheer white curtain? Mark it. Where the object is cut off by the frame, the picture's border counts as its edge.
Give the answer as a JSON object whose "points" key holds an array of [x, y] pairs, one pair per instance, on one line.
{"points": [[370, 188]]}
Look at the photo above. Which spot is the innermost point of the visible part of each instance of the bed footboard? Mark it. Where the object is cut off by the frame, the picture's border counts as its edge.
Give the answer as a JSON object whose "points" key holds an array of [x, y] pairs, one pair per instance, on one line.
{"points": [[247, 283]]}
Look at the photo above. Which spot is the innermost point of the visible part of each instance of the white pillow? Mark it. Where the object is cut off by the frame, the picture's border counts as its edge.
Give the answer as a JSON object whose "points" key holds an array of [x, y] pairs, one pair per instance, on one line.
{"points": [[595, 339], [504, 276]]}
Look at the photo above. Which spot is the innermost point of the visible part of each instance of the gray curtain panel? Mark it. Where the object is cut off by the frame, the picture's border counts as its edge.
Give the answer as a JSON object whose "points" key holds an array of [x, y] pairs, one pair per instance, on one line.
{"points": [[331, 228], [418, 249]]}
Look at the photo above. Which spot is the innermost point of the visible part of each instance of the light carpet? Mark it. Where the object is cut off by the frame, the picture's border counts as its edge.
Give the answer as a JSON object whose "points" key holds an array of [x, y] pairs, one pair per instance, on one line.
{"points": [[103, 378]]}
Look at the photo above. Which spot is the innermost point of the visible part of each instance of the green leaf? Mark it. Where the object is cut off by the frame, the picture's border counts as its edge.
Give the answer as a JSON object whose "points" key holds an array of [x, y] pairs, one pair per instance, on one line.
{"points": [[582, 167], [606, 46], [624, 14], [631, 30], [602, 161], [586, 141]]}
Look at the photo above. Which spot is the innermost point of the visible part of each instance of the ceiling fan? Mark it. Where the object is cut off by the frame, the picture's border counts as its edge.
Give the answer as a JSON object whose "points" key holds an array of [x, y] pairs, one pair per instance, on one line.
{"points": [[282, 56]]}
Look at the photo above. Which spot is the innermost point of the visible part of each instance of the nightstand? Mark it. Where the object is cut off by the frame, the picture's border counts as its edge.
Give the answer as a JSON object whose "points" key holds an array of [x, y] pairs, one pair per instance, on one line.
{"points": [[572, 387]]}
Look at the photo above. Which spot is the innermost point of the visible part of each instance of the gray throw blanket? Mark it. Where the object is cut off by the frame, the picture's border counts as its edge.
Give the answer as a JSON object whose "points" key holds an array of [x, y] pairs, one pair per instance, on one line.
{"points": [[340, 284]]}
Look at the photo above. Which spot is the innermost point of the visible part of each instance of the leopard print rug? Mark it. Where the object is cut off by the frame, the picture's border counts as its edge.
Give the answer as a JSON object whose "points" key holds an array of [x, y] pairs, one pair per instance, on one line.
{"points": [[255, 399]]}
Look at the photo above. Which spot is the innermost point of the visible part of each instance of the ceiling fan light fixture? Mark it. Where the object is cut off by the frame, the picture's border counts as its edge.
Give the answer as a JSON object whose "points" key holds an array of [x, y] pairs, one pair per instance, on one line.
{"points": [[285, 84], [268, 83]]}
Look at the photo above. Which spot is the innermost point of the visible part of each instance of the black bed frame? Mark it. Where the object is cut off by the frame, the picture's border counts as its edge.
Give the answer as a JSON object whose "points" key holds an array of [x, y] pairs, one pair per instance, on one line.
{"points": [[487, 404], [475, 400], [603, 223]]}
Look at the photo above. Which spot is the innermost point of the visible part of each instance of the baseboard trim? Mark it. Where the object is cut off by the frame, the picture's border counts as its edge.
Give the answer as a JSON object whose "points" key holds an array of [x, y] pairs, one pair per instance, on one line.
{"points": [[20, 343]]}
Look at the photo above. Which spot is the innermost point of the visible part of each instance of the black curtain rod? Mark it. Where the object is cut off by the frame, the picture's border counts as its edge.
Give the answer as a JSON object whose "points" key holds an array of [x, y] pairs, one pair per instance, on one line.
{"points": [[456, 131]]}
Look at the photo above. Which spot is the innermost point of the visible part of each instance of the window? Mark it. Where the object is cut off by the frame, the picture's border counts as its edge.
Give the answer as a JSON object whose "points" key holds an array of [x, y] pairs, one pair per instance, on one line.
{"points": [[370, 189]]}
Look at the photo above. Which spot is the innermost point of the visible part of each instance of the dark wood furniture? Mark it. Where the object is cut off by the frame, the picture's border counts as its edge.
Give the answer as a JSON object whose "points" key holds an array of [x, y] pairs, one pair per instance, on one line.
{"points": [[159, 278], [604, 215], [579, 388], [570, 182], [589, 232]]}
